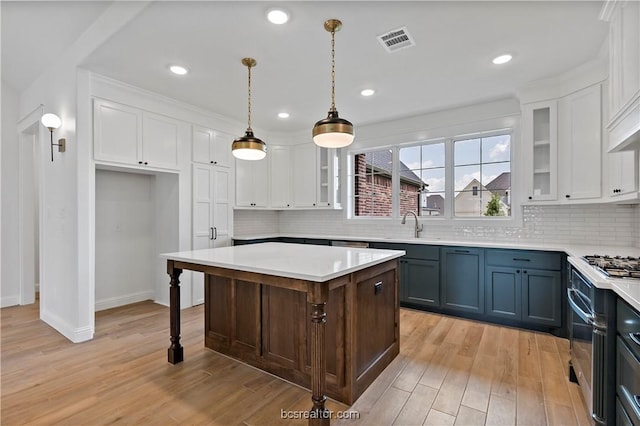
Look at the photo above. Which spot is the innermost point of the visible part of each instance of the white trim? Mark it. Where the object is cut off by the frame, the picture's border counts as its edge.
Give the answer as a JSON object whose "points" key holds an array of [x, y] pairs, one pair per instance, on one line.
{"points": [[127, 299], [76, 335], [30, 126], [9, 301]]}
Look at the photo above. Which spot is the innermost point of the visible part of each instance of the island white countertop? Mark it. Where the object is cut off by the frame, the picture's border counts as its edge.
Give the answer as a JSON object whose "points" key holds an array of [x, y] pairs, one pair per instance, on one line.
{"points": [[300, 261]]}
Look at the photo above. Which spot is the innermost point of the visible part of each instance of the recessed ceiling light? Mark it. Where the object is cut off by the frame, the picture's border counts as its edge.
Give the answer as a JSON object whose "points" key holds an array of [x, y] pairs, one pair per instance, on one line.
{"points": [[278, 16], [177, 69], [502, 59], [283, 114], [367, 92]]}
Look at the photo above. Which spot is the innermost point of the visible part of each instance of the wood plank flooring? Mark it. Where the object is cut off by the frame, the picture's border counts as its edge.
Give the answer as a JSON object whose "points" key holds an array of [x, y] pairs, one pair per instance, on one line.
{"points": [[449, 372]]}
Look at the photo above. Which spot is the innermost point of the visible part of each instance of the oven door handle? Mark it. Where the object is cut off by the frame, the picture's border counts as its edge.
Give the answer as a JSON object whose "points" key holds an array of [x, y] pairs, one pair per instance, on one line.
{"points": [[588, 318]]}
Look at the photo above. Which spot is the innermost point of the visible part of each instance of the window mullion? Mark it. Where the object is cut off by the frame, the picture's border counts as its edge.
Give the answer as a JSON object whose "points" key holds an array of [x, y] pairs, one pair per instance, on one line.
{"points": [[449, 178], [395, 183]]}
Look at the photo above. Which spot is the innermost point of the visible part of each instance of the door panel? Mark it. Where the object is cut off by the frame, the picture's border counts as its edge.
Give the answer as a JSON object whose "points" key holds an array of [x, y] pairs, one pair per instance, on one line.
{"points": [[503, 292], [541, 297]]}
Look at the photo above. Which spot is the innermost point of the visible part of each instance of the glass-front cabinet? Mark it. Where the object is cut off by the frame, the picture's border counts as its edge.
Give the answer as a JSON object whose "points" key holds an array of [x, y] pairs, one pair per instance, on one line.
{"points": [[540, 135]]}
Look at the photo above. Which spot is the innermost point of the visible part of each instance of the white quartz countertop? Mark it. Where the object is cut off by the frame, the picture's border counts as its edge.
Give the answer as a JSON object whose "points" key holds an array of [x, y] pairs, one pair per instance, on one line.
{"points": [[300, 261], [628, 289]]}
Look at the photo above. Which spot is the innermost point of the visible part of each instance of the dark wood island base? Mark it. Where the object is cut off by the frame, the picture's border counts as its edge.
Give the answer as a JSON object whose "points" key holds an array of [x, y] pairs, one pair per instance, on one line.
{"points": [[333, 337]]}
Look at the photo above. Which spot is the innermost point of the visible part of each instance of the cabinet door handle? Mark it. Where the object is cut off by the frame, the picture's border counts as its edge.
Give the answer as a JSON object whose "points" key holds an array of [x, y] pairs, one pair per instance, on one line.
{"points": [[211, 233], [521, 259], [139, 162], [215, 233], [517, 271], [531, 198], [377, 287], [462, 251], [567, 196], [635, 337]]}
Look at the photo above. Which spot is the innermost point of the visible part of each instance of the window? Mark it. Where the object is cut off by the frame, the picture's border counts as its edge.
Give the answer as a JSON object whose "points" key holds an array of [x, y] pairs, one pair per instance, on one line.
{"points": [[461, 178], [372, 179], [482, 173], [422, 179]]}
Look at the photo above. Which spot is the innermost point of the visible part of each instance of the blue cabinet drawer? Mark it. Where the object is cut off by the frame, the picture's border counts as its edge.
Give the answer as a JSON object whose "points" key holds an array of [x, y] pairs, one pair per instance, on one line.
{"points": [[524, 259], [414, 251], [629, 326]]}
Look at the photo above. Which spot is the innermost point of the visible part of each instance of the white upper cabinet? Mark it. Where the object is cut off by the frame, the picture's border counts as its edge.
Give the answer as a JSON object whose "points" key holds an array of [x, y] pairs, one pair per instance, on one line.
{"points": [[623, 169], [117, 132], [252, 183], [540, 135], [127, 135], [305, 172], [328, 179], [624, 73], [580, 139], [160, 141], [280, 157], [211, 146]]}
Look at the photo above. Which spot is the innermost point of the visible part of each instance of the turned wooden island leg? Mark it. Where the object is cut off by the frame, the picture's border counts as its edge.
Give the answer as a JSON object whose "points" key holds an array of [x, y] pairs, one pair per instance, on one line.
{"points": [[319, 415], [175, 351]]}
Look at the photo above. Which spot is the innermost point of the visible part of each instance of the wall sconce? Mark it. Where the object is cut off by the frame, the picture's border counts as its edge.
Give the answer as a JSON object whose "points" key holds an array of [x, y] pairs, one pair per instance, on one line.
{"points": [[52, 122]]}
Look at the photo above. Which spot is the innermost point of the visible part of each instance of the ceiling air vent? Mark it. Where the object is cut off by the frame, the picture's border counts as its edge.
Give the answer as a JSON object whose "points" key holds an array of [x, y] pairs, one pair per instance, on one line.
{"points": [[395, 40]]}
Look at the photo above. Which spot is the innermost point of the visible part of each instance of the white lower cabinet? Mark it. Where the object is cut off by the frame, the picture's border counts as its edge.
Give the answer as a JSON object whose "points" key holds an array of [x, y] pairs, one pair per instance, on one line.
{"points": [[580, 144], [211, 215]]}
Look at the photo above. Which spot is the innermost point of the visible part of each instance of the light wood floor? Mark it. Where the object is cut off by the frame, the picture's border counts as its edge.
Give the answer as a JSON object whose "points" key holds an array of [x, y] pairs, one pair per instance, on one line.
{"points": [[450, 371]]}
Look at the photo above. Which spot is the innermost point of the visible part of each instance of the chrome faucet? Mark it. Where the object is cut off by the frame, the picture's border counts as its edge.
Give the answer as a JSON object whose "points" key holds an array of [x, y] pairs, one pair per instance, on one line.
{"points": [[417, 228]]}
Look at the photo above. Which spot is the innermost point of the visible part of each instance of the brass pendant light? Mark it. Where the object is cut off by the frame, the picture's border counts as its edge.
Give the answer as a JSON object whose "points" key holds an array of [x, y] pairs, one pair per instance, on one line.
{"points": [[248, 147], [333, 131]]}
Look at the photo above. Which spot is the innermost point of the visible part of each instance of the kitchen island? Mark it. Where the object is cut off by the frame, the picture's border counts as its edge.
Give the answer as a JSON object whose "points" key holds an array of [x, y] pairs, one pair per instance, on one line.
{"points": [[325, 318]]}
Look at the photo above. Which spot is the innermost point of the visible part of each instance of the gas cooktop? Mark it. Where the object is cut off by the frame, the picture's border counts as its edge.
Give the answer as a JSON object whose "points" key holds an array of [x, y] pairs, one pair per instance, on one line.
{"points": [[616, 267]]}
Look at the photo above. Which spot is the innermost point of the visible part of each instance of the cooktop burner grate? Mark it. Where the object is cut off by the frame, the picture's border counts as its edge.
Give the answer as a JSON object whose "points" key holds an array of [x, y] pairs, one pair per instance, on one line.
{"points": [[616, 267]]}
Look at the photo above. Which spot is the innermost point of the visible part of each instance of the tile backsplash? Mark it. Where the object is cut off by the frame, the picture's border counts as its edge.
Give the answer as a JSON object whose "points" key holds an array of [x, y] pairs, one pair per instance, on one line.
{"points": [[605, 224]]}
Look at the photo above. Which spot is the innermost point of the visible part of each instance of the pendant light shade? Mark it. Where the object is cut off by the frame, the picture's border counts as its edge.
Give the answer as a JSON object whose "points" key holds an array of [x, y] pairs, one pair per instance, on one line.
{"points": [[248, 147], [333, 131]]}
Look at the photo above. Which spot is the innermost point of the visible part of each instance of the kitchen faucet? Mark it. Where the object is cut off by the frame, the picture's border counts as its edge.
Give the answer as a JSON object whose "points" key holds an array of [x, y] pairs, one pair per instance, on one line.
{"points": [[417, 228]]}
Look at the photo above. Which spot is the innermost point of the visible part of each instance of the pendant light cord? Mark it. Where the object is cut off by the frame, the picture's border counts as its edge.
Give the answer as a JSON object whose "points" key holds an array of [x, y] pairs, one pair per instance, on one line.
{"points": [[249, 103], [333, 70]]}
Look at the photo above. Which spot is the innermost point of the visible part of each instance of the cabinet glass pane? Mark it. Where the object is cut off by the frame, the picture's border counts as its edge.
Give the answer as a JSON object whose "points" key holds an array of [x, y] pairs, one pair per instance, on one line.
{"points": [[541, 151]]}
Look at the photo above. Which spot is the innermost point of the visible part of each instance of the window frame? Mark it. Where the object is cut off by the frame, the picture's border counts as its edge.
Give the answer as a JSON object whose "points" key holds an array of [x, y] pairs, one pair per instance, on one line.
{"points": [[481, 135], [514, 220]]}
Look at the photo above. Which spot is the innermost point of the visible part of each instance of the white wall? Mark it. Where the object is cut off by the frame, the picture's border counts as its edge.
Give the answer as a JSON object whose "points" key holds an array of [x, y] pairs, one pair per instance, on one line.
{"points": [[9, 278], [66, 286], [125, 238], [167, 237]]}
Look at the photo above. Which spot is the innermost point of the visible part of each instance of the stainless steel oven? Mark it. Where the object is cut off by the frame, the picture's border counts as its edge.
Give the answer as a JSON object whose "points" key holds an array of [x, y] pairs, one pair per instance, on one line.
{"points": [[592, 343]]}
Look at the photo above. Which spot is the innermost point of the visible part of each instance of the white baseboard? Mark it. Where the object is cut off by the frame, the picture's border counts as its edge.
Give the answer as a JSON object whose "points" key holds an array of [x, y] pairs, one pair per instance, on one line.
{"points": [[127, 299], [9, 301], [76, 335]]}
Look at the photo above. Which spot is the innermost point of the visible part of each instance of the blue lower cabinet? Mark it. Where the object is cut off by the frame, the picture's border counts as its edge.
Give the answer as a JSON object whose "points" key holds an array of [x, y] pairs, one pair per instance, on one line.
{"points": [[420, 282], [528, 295], [541, 297], [463, 279], [504, 292]]}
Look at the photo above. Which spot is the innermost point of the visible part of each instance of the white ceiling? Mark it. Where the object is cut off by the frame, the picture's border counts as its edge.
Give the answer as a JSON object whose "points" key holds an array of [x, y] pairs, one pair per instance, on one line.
{"points": [[449, 66]]}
